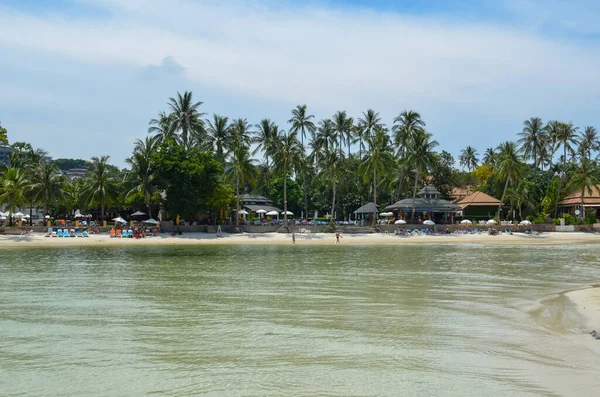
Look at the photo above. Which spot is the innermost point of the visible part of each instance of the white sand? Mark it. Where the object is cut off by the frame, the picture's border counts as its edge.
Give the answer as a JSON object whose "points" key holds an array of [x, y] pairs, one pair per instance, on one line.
{"points": [[38, 240], [587, 303]]}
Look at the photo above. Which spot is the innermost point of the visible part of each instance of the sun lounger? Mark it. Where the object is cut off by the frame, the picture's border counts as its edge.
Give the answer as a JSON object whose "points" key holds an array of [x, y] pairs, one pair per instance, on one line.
{"points": [[85, 233], [49, 234], [123, 233], [59, 232], [112, 233], [72, 233], [130, 233]]}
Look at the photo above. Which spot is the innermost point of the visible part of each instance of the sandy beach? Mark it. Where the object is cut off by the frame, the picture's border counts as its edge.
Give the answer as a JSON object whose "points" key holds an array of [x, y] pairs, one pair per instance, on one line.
{"points": [[38, 240], [587, 303]]}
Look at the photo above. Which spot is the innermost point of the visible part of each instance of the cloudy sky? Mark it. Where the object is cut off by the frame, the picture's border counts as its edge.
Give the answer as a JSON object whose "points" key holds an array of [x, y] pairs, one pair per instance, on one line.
{"points": [[81, 78]]}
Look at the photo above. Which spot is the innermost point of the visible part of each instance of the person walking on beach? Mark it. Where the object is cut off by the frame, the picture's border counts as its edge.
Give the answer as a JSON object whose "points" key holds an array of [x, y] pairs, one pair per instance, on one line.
{"points": [[337, 237], [293, 238]]}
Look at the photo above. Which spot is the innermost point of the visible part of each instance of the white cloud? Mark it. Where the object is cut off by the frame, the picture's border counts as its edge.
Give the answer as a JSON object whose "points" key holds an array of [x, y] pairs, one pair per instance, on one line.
{"points": [[329, 58]]}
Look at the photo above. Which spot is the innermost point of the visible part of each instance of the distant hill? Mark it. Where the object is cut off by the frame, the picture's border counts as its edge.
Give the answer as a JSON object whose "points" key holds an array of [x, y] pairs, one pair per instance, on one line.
{"points": [[67, 164]]}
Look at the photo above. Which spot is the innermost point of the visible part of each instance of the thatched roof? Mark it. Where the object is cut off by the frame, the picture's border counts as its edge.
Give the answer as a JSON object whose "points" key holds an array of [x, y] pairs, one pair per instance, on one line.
{"points": [[368, 208], [478, 199], [574, 199]]}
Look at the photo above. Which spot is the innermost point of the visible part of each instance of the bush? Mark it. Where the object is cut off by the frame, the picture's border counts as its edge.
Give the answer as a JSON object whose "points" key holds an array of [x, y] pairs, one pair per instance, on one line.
{"points": [[538, 220], [329, 229], [589, 220], [532, 218], [569, 219]]}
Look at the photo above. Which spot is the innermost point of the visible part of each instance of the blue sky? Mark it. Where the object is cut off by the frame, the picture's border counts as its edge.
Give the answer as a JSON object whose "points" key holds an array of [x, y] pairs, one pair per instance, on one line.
{"points": [[81, 78]]}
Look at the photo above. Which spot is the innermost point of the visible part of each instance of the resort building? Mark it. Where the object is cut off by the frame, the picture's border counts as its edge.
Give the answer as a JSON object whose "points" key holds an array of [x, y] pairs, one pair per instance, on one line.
{"points": [[478, 205], [572, 204], [254, 202], [427, 205], [5, 152], [76, 173]]}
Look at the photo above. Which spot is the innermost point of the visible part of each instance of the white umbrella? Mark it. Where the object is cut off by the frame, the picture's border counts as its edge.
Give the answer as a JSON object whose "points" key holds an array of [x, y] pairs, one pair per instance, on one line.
{"points": [[466, 222], [272, 213], [385, 214], [47, 217], [429, 222], [243, 212], [151, 221], [261, 211], [138, 213], [491, 222], [27, 216], [287, 213], [525, 222], [400, 222], [78, 215], [119, 219], [88, 216], [19, 215]]}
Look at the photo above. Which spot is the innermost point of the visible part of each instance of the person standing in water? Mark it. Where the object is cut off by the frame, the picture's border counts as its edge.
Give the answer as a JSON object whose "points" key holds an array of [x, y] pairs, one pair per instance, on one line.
{"points": [[337, 237], [293, 238]]}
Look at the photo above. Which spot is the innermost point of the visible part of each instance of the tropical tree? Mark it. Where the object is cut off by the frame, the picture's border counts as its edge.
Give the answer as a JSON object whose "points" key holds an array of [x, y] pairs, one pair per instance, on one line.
{"points": [[468, 158], [219, 134], [302, 123], [330, 163], [589, 142], [489, 157], [240, 132], [142, 172], [532, 138], [187, 118], [288, 157], [585, 177], [341, 126], [420, 154], [405, 125], [163, 129], [510, 166], [3, 135], [13, 189], [265, 135], [46, 183], [101, 186], [241, 170], [367, 124], [566, 136], [379, 159]]}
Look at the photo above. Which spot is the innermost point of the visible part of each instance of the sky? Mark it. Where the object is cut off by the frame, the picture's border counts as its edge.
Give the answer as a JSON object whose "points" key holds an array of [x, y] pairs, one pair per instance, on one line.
{"points": [[82, 78]]}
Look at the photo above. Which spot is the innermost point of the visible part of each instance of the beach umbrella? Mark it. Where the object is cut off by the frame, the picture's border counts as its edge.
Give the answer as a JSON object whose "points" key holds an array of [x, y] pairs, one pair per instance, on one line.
{"points": [[88, 216], [243, 212], [138, 213], [120, 220], [19, 215], [78, 215], [272, 213], [261, 211], [400, 222], [525, 222], [429, 222], [386, 214], [47, 217], [287, 213], [491, 222], [27, 216], [151, 221], [466, 222]]}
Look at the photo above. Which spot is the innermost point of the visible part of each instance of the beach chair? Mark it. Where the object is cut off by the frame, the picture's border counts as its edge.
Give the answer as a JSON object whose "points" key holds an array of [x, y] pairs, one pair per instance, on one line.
{"points": [[72, 233], [49, 234], [79, 233], [124, 233], [85, 233], [112, 233], [59, 233], [130, 233]]}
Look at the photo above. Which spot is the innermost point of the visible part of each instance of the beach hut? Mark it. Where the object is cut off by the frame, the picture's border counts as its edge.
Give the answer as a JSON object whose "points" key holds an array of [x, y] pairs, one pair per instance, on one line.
{"points": [[479, 205], [427, 205], [366, 211]]}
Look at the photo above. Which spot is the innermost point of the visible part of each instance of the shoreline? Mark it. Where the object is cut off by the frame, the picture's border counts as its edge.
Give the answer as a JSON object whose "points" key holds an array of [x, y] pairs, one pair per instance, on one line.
{"points": [[101, 240], [587, 304]]}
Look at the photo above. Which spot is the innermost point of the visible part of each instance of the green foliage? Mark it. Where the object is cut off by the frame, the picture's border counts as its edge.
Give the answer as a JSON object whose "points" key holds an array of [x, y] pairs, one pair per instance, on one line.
{"points": [[538, 220], [569, 219], [188, 177], [67, 164], [3, 136], [590, 220], [330, 228], [294, 195]]}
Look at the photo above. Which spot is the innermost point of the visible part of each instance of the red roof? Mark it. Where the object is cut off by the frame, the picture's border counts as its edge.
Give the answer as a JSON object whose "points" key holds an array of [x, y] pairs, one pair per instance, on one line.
{"points": [[478, 199]]}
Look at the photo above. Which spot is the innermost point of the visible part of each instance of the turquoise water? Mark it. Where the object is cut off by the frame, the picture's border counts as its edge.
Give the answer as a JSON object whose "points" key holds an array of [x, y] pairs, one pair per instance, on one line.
{"points": [[452, 320]]}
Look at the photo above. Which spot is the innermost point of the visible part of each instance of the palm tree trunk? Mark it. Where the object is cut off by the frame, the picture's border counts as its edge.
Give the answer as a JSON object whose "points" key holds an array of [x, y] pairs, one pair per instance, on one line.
{"points": [[304, 180], [268, 177], [149, 209], [331, 219], [237, 198], [415, 193], [503, 196], [582, 203], [285, 223], [374, 192], [102, 212]]}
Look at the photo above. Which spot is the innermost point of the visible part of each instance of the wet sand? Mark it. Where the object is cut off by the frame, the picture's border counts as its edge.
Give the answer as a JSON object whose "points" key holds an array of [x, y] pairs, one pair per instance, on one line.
{"points": [[587, 303]]}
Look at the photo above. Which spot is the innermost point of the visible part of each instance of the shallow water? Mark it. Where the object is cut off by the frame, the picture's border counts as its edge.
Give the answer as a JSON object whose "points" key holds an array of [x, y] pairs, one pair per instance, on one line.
{"points": [[451, 320]]}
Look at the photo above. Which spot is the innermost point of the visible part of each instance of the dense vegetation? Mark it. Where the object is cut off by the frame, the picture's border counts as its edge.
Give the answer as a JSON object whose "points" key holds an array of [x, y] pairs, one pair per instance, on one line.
{"points": [[195, 166]]}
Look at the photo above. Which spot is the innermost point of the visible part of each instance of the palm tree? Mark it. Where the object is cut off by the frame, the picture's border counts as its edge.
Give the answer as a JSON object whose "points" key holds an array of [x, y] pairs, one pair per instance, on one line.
{"points": [[3, 135], [46, 183], [340, 127], [289, 157], [366, 125], [510, 166], [142, 172], [584, 177], [186, 118], [566, 136], [468, 158], [489, 157], [13, 190], [323, 140], [163, 129], [101, 186], [420, 154], [378, 160], [330, 163], [242, 170], [219, 135], [264, 137], [532, 138], [589, 142], [405, 125], [240, 132], [301, 123]]}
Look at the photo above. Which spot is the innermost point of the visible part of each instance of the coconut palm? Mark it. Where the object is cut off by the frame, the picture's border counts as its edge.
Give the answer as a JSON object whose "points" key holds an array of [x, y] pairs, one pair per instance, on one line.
{"points": [[187, 118], [379, 159], [405, 125], [302, 123], [510, 166], [288, 157], [589, 142], [532, 138], [330, 162], [219, 134], [489, 157], [240, 132], [265, 134], [367, 124], [142, 174], [341, 124], [46, 183], [468, 158], [101, 186], [163, 129], [13, 190], [585, 177], [323, 140], [566, 136], [241, 170], [420, 154]]}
